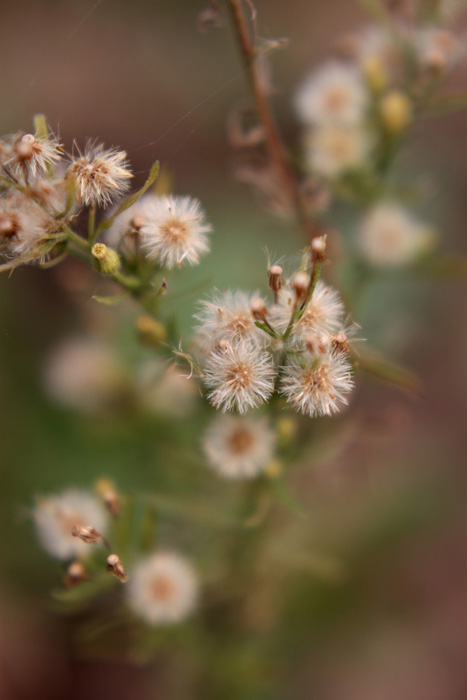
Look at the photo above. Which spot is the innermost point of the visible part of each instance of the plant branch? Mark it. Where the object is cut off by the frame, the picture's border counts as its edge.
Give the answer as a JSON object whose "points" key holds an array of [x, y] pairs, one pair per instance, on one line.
{"points": [[275, 147]]}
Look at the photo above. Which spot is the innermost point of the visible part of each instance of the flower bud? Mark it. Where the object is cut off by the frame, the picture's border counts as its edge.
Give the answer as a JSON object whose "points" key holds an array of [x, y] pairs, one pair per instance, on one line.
{"points": [[114, 566], [340, 342], [299, 284], [396, 112], [258, 309], [286, 431], [273, 469], [150, 331], [87, 534], [106, 259], [75, 574], [318, 249]]}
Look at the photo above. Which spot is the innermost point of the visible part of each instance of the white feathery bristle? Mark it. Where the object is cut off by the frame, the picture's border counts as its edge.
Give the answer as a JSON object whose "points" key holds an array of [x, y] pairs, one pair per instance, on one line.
{"points": [[316, 385], [101, 175], [176, 231], [239, 376], [227, 316]]}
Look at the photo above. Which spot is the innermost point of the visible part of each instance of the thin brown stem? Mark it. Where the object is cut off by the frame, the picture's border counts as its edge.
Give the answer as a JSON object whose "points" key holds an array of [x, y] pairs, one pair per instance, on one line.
{"points": [[276, 150]]}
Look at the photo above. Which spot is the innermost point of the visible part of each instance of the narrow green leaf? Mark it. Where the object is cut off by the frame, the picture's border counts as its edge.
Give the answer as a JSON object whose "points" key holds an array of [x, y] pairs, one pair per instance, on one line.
{"points": [[40, 126], [132, 199], [111, 301]]}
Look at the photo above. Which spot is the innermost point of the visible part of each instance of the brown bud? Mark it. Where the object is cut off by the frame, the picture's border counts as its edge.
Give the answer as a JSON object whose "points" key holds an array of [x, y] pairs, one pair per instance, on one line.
{"points": [[299, 284], [114, 566], [112, 502], [75, 574], [340, 342], [258, 309], [275, 278], [318, 249], [87, 534]]}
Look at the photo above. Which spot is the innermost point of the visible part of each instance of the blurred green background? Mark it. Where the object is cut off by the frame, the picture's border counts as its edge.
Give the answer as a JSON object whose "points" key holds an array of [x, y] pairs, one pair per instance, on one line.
{"points": [[378, 607]]}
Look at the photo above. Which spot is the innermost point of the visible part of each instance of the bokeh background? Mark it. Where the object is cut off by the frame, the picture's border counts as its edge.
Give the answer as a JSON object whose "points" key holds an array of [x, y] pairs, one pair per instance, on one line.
{"points": [[380, 610]]}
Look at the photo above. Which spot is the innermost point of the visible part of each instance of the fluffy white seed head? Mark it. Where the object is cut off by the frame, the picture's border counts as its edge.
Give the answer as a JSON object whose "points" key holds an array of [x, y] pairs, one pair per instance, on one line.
{"points": [[165, 390], [239, 447], [333, 150], [317, 384], [323, 314], [390, 235], [101, 175], [227, 316], [333, 94], [84, 374], [239, 376], [51, 192], [163, 589], [31, 155], [125, 233], [27, 231], [175, 231], [55, 516]]}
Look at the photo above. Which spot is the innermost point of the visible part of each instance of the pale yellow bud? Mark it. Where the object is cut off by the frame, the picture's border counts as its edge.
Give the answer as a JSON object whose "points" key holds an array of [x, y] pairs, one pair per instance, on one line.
{"points": [[396, 112], [150, 331], [286, 431], [273, 469], [106, 260]]}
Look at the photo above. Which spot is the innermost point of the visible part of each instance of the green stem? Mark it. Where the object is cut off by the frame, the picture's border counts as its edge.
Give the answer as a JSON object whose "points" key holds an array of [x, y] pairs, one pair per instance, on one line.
{"points": [[92, 226], [297, 314]]}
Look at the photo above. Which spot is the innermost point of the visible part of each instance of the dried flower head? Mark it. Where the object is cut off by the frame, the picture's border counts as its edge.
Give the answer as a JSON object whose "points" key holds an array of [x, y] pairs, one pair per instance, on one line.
{"points": [[56, 516], [87, 534], [27, 231], [316, 384], [101, 175], [175, 231], [239, 447], [115, 566], [334, 150], [33, 155], [239, 376], [323, 312], [275, 278], [163, 589], [51, 192], [228, 317], [390, 235], [333, 94]]}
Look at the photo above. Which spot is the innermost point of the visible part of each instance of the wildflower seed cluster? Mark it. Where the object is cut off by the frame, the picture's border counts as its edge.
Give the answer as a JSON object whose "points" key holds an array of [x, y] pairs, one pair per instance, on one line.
{"points": [[257, 359]]}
